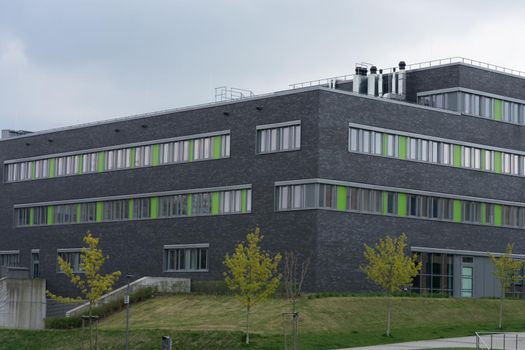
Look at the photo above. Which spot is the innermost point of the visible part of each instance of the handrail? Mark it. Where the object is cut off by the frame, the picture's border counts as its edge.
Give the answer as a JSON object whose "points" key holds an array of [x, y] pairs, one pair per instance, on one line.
{"points": [[421, 65]]}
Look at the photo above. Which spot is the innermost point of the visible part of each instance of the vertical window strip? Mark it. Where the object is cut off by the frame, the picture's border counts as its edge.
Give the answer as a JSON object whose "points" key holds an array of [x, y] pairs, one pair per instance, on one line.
{"points": [[443, 153], [197, 204], [205, 148], [353, 199], [286, 138]]}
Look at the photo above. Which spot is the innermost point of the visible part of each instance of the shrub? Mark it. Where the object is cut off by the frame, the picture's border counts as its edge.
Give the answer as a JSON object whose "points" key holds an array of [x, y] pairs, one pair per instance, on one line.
{"points": [[63, 322]]}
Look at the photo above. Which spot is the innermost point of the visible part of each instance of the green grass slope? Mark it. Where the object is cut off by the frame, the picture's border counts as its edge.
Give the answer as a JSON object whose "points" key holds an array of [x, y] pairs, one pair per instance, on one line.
{"points": [[216, 322]]}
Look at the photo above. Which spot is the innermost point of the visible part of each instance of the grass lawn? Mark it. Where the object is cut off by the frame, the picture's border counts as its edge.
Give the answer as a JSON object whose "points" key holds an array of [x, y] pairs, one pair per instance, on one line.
{"points": [[216, 322]]}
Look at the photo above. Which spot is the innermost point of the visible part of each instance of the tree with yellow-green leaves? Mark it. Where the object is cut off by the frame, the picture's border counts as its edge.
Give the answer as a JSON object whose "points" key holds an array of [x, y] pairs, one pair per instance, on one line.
{"points": [[252, 273], [390, 268], [507, 271], [91, 283]]}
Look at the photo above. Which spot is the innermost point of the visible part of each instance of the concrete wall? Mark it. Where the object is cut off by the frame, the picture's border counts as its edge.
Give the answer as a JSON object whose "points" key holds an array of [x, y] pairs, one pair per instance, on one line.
{"points": [[22, 303], [162, 285]]}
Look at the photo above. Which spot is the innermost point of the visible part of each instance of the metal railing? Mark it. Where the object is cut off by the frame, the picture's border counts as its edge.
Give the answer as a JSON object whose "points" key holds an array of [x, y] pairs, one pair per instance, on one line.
{"points": [[420, 65], [499, 340]]}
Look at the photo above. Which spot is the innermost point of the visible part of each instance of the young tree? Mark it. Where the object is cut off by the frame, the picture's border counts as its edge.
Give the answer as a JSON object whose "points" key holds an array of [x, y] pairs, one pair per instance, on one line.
{"points": [[507, 272], [390, 268], [91, 283], [252, 273], [293, 275]]}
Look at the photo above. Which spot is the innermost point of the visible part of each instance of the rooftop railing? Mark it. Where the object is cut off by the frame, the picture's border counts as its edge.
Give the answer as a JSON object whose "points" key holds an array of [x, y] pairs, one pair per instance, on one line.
{"points": [[420, 65]]}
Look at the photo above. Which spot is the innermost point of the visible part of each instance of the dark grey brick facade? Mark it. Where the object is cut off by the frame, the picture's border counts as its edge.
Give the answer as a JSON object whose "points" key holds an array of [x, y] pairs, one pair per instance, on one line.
{"points": [[333, 240]]}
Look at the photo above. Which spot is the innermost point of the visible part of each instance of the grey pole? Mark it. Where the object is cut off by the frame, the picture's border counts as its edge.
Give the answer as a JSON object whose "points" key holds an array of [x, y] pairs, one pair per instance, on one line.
{"points": [[126, 301]]}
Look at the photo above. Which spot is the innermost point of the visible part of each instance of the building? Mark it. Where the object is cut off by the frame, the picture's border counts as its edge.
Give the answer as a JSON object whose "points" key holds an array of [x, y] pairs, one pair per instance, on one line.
{"points": [[434, 150]]}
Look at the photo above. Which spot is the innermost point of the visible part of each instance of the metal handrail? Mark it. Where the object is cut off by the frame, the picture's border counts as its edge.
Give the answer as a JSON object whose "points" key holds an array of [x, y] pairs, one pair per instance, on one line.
{"points": [[420, 65], [506, 335]]}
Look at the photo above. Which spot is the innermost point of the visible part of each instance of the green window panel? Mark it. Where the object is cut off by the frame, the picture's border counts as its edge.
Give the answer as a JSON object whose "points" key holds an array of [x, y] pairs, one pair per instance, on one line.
{"points": [[457, 210], [497, 162], [100, 211], [31, 216], [498, 214], [52, 167], [385, 144], [154, 207], [498, 109], [217, 147], [385, 202], [78, 213], [156, 155], [133, 157], [80, 163], [33, 169], [402, 204], [341, 198], [402, 147], [190, 206], [190, 150], [50, 215], [483, 159], [130, 209], [101, 161], [215, 203], [457, 156], [483, 213], [244, 207]]}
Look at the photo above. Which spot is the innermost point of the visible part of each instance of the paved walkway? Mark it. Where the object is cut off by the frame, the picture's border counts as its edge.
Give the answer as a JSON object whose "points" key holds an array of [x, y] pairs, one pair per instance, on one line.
{"points": [[461, 342]]}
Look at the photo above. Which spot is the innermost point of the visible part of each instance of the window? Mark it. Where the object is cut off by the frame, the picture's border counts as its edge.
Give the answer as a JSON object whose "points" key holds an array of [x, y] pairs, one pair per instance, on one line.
{"points": [[466, 281], [10, 258], [201, 203], [230, 201], [35, 263], [88, 212], [278, 139], [40, 216], [22, 216], [188, 258], [65, 214], [173, 206], [72, 257], [436, 274], [141, 208], [116, 210]]}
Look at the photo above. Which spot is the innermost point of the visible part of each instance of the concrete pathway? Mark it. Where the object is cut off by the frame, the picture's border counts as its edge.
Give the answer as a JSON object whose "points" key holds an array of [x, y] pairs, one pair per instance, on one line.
{"points": [[461, 342]]}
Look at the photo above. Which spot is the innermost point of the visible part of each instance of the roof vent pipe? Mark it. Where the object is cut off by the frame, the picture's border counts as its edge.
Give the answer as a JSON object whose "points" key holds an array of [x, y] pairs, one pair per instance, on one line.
{"points": [[372, 81], [356, 81], [401, 80], [380, 83], [394, 81]]}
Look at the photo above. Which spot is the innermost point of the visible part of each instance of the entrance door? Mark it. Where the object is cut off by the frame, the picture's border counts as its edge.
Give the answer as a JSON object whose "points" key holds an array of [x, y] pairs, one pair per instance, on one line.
{"points": [[466, 281]]}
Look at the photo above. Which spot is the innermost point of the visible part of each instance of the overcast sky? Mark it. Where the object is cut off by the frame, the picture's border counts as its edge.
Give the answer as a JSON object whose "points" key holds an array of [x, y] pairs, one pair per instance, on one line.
{"points": [[69, 62]]}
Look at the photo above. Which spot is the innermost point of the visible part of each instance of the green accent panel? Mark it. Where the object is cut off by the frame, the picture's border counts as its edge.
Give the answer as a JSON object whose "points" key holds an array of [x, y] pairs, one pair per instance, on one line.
{"points": [[189, 204], [101, 161], [341, 198], [483, 213], [80, 163], [457, 210], [498, 109], [457, 156], [154, 207], [33, 169], [130, 209], [100, 209], [482, 159], [132, 157], [497, 162], [385, 202], [498, 214], [402, 147], [50, 215], [217, 147], [31, 216], [190, 150], [385, 144], [402, 204], [78, 213], [156, 155], [215, 203], [52, 167], [243, 201]]}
